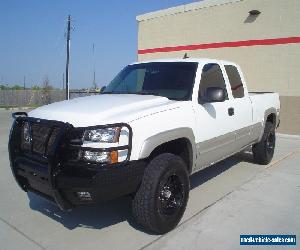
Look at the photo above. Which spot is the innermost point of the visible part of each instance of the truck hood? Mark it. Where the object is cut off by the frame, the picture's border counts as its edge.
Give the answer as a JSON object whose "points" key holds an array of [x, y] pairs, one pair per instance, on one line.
{"points": [[103, 109]]}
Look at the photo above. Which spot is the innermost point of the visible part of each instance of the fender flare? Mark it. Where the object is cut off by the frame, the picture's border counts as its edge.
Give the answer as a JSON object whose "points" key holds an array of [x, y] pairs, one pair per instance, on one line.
{"points": [[268, 112], [156, 140]]}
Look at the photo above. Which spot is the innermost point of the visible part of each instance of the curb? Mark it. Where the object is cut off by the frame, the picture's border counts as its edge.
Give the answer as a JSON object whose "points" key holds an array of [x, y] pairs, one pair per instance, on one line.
{"points": [[287, 136]]}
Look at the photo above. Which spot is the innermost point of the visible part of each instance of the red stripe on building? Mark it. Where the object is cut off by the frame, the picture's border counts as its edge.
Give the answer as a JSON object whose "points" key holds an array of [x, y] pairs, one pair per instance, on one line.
{"points": [[246, 43]]}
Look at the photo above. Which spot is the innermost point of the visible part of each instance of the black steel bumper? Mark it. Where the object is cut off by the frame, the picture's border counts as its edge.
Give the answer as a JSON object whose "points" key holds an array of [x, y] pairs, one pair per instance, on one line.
{"points": [[59, 180]]}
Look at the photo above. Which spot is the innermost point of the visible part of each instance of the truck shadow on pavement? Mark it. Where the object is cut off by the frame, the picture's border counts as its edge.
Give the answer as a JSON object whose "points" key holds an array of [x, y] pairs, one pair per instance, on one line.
{"points": [[208, 173], [95, 216], [106, 214]]}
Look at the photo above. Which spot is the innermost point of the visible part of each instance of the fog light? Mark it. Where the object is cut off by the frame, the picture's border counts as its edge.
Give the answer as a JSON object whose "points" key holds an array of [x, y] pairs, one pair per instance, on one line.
{"points": [[85, 196]]}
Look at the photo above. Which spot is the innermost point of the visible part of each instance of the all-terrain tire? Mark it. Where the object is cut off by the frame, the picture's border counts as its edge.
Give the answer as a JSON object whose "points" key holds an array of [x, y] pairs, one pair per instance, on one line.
{"points": [[162, 197], [263, 151]]}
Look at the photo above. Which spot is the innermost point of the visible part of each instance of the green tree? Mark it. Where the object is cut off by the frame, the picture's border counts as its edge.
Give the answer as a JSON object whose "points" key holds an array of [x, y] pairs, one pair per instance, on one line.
{"points": [[3, 87], [46, 90], [35, 87], [16, 87]]}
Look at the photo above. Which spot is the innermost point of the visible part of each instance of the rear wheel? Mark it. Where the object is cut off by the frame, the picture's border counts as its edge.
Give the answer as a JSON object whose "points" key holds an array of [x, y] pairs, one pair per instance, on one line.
{"points": [[161, 200], [263, 151]]}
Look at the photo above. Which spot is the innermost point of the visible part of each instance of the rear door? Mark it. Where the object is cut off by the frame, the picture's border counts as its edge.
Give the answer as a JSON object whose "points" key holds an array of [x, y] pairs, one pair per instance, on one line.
{"points": [[241, 103], [215, 124]]}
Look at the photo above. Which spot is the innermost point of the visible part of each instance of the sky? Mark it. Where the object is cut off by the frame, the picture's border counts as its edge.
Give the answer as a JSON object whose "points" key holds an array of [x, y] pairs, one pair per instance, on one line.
{"points": [[33, 43]]}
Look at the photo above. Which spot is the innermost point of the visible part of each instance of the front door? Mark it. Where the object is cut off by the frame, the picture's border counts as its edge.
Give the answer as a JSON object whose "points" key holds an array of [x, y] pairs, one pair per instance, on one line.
{"points": [[215, 136]]}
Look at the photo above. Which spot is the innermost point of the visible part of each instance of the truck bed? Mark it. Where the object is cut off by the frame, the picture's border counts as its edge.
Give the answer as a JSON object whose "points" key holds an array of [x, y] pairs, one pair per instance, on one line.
{"points": [[263, 101]]}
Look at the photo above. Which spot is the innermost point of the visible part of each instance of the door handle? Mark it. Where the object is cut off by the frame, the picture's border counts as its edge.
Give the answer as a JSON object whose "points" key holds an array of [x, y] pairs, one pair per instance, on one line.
{"points": [[230, 111]]}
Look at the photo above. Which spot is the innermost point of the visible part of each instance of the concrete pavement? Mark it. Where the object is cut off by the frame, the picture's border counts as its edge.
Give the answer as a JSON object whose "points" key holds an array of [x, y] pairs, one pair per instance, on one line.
{"points": [[267, 204], [226, 200]]}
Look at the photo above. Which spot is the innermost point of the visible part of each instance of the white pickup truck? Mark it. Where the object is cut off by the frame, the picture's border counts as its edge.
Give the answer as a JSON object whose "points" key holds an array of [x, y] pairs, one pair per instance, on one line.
{"points": [[153, 126]]}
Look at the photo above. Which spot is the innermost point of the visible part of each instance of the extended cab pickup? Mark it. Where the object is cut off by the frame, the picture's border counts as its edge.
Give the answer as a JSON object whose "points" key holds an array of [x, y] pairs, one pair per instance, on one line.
{"points": [[153, 126]]}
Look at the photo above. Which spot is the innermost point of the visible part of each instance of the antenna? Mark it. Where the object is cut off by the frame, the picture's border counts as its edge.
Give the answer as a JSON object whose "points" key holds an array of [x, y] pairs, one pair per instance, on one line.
{"points": [[185, 56]]}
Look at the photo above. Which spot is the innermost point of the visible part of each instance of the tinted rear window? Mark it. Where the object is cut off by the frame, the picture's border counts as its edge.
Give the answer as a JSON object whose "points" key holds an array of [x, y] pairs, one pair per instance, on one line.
{"points": [[235, 81]]}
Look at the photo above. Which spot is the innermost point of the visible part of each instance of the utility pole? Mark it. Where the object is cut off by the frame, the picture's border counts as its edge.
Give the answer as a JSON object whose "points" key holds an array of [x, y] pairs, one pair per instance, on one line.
{"points": [[24, 82], [68, 58], [63, 81], [94, 68], [25, 92]]}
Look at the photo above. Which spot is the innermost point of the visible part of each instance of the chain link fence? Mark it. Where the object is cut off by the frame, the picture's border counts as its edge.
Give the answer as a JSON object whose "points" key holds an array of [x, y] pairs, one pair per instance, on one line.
{"points": [[32, 98]]}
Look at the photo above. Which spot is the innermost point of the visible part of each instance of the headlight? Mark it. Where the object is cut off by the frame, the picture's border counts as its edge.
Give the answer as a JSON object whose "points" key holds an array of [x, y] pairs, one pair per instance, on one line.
{"points": [[108, 135], [105, 144]]}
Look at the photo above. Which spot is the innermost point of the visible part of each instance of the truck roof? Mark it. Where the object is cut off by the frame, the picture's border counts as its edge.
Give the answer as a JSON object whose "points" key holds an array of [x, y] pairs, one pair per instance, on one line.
{"points": [[197, 60]]}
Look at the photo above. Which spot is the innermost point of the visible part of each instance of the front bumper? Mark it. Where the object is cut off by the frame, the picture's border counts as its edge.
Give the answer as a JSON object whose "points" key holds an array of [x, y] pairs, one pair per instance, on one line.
{"points": [[58, 179]]}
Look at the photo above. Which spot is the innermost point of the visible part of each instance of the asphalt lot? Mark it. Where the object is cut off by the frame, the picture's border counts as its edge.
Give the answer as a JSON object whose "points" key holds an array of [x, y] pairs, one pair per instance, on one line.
{"points": [[228, 199]]}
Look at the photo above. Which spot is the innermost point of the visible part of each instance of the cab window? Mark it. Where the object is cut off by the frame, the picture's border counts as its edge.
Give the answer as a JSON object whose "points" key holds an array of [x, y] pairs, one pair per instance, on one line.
{"points": [[211, 76], [235, 81]]}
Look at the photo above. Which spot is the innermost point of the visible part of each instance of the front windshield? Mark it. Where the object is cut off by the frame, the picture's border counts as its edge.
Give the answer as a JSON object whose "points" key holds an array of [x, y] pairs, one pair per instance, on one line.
{"points": [[173, 80]]}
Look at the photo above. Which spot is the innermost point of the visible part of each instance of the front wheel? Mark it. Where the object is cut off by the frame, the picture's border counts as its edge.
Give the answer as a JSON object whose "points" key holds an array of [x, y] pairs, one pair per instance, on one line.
{"points": [[263, 151], [161, 200]]}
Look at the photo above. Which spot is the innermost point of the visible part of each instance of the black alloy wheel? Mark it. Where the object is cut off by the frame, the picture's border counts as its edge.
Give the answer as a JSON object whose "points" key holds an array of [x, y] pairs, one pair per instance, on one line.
{"points": [[171, 195], [263, 151], [161, 200]]}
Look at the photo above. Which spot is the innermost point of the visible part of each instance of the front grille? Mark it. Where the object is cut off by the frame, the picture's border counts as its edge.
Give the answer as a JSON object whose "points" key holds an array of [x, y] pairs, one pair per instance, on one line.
{"points": [[40, 135], [43, 137], [52, 139]]}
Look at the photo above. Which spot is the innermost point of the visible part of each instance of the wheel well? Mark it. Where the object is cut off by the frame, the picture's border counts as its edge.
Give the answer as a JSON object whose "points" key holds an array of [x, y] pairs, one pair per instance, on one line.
{"points": [[181, 147], [271, 118]]}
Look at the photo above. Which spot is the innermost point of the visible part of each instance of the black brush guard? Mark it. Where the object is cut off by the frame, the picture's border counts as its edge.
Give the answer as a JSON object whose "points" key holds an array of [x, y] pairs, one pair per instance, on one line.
{"points": [[47, 170], [42, 168]]}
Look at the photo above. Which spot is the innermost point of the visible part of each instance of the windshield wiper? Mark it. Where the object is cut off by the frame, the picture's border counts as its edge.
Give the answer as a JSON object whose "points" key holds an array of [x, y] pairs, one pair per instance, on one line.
{"points": [[132, 93], [136, 93], [114, 92], [147, 93]]}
